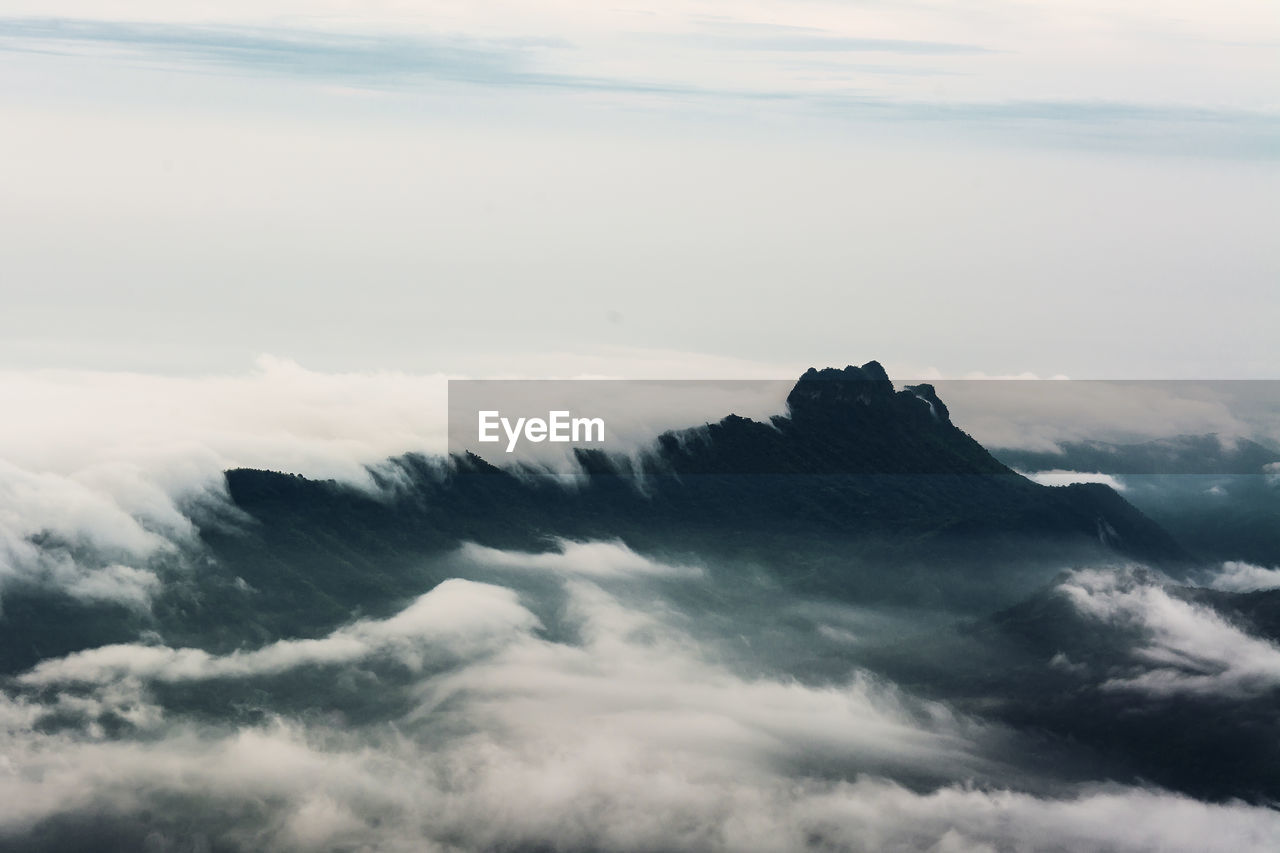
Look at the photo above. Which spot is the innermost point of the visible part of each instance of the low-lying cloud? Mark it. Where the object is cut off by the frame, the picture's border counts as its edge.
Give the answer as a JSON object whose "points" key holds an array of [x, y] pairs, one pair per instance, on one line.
{"points": [[100, 472], [1060, 477], [590, 559], [631, 735], [455, 617], [1186, 647], [1237, 576]]}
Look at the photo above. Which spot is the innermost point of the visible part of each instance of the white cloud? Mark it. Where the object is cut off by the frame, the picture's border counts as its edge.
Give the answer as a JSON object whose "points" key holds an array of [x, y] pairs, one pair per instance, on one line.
{"points": [[637, 677], [591, 559], [101, 464], [1236, 576], [1186, 647], [456, 617], [296, 788], [123, 584], [105, 428], [1060, 477]]}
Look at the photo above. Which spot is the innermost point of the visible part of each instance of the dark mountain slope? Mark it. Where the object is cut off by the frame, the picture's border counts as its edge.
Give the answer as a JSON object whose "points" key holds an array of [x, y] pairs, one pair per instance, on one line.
{"points": [[854, 458]]}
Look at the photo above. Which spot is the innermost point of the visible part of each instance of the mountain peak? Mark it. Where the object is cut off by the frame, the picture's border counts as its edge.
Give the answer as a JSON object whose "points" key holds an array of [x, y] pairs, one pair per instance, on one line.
{"points": [[831, 387], [831, 391]]}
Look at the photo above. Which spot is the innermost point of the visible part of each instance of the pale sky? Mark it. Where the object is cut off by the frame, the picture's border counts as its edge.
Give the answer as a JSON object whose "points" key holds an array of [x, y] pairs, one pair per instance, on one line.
{"points": [[1081, 188]]}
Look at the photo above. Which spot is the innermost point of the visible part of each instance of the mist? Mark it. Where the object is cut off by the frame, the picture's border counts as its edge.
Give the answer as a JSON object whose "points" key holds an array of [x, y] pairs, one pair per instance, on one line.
{"points": [[541, 709]]}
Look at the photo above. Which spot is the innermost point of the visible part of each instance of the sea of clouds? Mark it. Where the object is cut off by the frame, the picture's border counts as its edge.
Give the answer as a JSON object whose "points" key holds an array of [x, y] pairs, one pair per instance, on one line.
{"points": [[570, 700], [627, 732]]}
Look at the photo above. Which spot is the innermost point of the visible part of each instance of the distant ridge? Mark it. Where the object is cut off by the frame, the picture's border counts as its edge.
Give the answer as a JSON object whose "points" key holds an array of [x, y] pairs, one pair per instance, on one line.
{"points": [[855, 470]]}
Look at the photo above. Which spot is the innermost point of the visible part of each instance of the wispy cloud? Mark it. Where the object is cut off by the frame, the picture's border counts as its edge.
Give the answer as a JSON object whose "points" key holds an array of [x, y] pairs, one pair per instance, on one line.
{"points": [[1186, 648], [376, 60], [824, 43], [590, 559], [456, 617], [758, 36], [291, 51], [391, 61]]}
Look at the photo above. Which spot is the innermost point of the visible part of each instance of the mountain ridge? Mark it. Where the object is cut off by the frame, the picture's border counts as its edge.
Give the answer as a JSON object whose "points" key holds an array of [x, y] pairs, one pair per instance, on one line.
{"points": [[854, 461]]}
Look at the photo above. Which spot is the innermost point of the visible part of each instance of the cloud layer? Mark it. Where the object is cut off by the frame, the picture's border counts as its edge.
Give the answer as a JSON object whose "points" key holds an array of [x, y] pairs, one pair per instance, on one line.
{"points": [[1185, 647], [631, 735]]}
